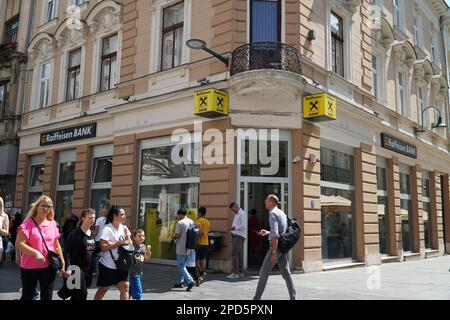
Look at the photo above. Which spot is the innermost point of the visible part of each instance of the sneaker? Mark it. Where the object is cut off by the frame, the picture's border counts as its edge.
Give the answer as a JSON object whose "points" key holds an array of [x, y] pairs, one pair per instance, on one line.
{"points": [[203, 274], [233, 276], [178, 285], [242, 275], [197, 282], [190, 286]]}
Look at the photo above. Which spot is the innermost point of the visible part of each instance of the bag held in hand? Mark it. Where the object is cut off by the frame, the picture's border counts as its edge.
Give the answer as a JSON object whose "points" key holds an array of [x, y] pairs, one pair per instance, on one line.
{"points": [[125, 259], [53, 257]]}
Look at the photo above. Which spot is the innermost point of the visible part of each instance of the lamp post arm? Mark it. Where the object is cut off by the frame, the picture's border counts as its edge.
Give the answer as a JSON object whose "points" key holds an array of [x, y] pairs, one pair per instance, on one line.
{"points": [[218, 56], [432, 107]]}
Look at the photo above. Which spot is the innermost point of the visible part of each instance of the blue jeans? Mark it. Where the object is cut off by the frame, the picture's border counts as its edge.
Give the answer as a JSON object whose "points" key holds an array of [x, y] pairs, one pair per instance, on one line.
{"points": [[183, 274], [136, 287]]}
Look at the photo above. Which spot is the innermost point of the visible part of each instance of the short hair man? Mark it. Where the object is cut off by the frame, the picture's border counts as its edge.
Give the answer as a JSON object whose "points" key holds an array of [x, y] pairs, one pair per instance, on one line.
{"points": [[203, 242], [278, 225], [238, 236]]}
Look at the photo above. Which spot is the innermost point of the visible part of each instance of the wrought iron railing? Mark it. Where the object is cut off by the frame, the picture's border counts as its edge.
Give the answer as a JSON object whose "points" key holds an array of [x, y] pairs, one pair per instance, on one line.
{"points": [[265, 55]]}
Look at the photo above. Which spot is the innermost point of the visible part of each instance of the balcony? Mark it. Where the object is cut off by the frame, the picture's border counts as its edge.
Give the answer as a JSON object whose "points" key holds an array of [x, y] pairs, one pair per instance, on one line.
{"points": [[6, 51], [266, 68]]}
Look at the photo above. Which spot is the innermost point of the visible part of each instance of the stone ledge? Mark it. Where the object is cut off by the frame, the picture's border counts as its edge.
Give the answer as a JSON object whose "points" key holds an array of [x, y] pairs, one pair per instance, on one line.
{"points": [[389, 259], [349, 265], [411, 256], [431, 254]]}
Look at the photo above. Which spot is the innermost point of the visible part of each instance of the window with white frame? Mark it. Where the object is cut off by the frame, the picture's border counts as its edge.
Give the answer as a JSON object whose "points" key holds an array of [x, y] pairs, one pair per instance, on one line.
{"points": [[172, 36], [102, 160], [416, 31], [108, 72], [337, 44], [50, 10], [36, 178], [398, 14], [421, 105], [65, 185], [73, 75], [434, 56], [77, 2], [401, 94], [44, 84]]}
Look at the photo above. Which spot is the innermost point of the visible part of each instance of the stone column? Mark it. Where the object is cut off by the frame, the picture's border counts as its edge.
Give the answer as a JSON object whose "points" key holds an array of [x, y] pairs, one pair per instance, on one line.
{"points": [[446, 216], [21, 181], [82, 186], [433, 221], [393, 212], [366, 206], [311, 200], [297, 194], [50, 172]]}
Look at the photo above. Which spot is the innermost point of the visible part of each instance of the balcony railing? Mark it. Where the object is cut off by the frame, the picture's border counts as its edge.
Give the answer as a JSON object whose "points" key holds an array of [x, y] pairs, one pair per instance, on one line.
{"points": [[265, 55], [6, 50]]}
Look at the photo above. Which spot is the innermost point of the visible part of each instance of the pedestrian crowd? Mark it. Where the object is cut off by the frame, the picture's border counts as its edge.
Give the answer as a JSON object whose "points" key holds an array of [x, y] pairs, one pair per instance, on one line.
{"points": [[104, 248]]}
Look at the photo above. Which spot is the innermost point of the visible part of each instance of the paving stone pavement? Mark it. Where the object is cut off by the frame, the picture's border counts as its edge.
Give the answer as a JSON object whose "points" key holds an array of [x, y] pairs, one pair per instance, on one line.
{"points": [[416, 280]]}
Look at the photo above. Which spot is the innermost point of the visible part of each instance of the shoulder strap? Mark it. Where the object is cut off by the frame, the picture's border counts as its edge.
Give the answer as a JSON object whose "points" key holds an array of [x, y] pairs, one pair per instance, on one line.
{"points": [[39, 229]]}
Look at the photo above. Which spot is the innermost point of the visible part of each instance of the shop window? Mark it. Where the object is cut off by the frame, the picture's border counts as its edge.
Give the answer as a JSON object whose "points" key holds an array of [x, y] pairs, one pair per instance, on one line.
{"points": [[166, 187], [172, 36], [336, 166], [36, 178], [3, 91], [101, 182], [382, 196], [405, 210], [65, 186], [426, 204], [251, 165]]}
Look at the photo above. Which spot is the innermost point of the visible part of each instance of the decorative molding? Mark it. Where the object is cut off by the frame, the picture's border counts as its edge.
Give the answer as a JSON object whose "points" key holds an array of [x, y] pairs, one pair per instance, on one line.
{"points": [[109, 19], [423, 72], [44, 50], [70, 38], [382, 34], [399, 35], [352, 5], [404, 55]]}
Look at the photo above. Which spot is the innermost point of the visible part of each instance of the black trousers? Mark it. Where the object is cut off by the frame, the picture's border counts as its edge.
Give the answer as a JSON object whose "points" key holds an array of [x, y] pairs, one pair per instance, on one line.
{"points": [[76, 294], [30, 278]]}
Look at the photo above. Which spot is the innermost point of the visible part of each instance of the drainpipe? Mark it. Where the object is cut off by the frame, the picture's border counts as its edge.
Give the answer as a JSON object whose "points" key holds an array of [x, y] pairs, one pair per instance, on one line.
{"points": [[444, 37], [24, 85]]}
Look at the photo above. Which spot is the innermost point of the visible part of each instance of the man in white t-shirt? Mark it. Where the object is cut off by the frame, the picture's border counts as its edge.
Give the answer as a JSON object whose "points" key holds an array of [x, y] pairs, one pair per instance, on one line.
{"points": [[181, 236]]}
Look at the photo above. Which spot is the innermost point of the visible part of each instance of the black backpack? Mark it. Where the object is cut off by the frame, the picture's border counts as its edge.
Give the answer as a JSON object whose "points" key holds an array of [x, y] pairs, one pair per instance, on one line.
{"points": [[288, 239], [192, 236]]}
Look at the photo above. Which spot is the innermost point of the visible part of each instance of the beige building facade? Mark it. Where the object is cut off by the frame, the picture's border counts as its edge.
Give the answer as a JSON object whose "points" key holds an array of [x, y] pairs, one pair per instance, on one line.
{"points": [[15, 26], [112, 83]]}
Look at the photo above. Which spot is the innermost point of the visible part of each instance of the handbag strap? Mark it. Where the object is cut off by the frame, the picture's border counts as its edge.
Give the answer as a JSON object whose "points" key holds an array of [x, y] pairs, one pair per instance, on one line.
{"points": [[39, 229], [120, 236]]}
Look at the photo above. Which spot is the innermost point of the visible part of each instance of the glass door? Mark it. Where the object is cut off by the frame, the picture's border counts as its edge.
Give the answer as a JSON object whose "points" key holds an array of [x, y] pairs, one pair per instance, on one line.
{"points": [[253, 195]]}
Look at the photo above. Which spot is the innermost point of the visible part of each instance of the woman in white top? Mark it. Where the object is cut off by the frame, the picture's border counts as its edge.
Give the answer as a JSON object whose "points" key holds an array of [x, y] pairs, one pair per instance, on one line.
{"points": [[4, 230], [114, 235]]}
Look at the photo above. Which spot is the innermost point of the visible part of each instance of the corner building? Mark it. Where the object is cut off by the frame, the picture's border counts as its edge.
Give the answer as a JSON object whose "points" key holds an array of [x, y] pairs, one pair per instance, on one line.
{"points": [[369, 187]]}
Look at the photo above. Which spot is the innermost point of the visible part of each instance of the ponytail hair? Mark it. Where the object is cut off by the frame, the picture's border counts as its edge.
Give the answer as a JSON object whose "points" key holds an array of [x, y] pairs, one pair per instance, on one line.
{"points": [[113, 211]]}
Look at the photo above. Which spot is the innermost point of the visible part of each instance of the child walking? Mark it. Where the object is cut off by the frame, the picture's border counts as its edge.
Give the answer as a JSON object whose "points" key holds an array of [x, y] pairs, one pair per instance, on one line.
{"points": [[141, 254]]}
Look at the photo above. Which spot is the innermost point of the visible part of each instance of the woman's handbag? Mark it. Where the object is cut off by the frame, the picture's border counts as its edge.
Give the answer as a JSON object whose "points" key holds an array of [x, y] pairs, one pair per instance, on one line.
{"points": [[53, 257], [125, 259]]}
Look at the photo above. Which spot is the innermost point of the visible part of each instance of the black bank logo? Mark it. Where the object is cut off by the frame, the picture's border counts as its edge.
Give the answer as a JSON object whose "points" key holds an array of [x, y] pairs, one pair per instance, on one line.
{"points": [[69, 134]]}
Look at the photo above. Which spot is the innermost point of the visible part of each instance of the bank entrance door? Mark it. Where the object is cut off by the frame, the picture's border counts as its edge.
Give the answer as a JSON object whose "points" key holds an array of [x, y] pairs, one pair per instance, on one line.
{"points": [[253, 194]]}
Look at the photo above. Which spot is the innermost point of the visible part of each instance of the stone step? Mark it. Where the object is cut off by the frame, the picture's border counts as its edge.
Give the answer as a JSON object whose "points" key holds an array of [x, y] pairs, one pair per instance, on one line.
{"points": [[411, 256], [431, 254], [389, 259], [340, 266]]}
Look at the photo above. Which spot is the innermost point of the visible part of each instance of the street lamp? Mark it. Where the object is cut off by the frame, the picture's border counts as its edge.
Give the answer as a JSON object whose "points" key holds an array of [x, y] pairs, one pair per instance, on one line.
{"points": [[439, 124], [197, 44]]}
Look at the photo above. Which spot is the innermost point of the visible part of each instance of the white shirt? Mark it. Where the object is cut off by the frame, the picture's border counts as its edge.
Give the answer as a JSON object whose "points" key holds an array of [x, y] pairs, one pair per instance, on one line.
{"points": [[181, 229], [100, 222], [112, 234], [240, 224]]}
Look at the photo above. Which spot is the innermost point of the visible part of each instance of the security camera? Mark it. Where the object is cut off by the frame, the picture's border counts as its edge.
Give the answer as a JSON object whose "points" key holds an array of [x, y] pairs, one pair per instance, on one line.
{"points": [[297, 159]]}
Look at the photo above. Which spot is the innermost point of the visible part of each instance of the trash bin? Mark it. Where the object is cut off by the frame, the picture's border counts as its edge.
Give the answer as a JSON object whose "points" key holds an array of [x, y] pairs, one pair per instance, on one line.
{"points": [[214, 240]]}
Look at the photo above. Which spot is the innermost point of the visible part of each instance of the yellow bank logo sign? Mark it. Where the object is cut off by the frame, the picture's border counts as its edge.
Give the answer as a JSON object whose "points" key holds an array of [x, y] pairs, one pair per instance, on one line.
{"points": [[211, 103], [319, 107]]}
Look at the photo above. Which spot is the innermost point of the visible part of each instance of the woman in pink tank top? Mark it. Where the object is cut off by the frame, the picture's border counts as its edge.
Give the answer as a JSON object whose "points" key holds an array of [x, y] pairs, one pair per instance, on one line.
{"points": [[34, 263]]}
